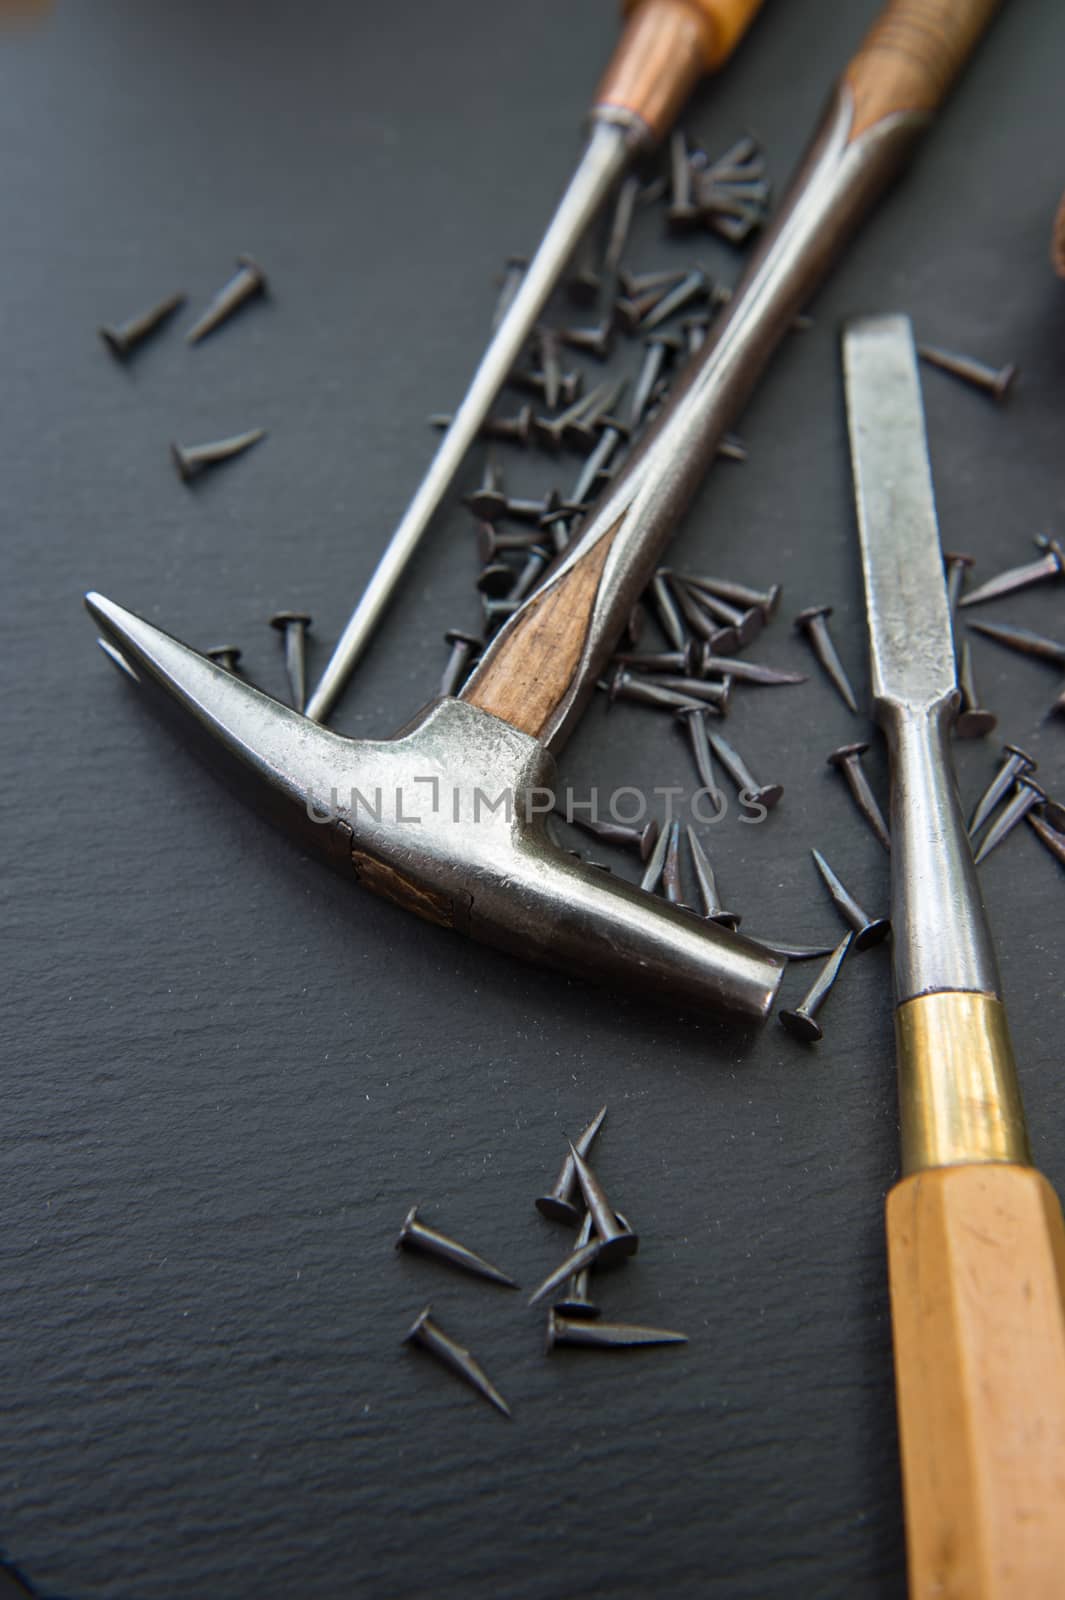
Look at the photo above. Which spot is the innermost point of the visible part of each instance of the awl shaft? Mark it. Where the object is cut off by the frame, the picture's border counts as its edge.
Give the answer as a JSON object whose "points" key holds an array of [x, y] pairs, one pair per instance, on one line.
{"points": [[665, 48]]}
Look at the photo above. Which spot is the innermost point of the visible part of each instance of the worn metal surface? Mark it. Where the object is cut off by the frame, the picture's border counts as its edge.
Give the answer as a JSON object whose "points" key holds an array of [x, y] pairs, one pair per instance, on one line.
{"points": [[223, 1070], [941, 935]]}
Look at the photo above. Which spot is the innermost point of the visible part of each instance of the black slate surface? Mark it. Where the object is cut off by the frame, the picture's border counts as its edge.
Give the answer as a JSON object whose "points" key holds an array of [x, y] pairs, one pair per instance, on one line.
{"points": [[227, 1074]]}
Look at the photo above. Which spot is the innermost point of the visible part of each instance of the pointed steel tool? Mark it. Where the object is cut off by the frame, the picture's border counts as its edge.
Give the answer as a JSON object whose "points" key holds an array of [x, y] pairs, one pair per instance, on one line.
{"points": [[191, 460], [1016, 765], [248, 282], [293, 627], [1050, 565], [707, 882], [429, 1336], [576, 1302], [813, 622], [124, 339], [801, 1020], [558, 1203], [415, 1235], [666, 47], [617, 1239], [1027, 796], [975, 1236], [867, 930], [563, 1330]]}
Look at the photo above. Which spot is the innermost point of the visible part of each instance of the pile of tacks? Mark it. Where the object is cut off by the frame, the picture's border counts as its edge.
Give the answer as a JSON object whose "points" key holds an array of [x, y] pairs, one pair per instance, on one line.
{"points": [[604, 1238]]}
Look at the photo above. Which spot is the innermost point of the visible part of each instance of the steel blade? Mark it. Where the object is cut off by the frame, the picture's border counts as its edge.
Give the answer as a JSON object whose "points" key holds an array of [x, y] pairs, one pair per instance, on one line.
{"points": [[911, 640]]}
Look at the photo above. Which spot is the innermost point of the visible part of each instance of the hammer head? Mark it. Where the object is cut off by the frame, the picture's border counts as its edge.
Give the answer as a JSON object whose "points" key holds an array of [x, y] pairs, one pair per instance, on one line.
{"points": [[446, 818]]}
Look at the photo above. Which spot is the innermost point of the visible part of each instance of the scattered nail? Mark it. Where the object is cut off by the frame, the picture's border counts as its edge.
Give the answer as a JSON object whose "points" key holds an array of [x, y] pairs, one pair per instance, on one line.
{"points": [[813, 622], [1049, 565], [741, 594], [293, 627], [579, 1260], [1016, 765], [801, 1022], [995, 381], [671, 884], [1023, 640], [617, 1241], [124, 339], [191, 460], [464, 648], [867, 930], [848, 760], [653, 871], [415, 1235], [429, 1336], [1026, 795], [764, 794], [707, 883], [1054, 841], [642, 839], [558, 1204], [226, 656], [605, 1335], [955, 566], [973, 720], [577, 1302], [248, 282]]}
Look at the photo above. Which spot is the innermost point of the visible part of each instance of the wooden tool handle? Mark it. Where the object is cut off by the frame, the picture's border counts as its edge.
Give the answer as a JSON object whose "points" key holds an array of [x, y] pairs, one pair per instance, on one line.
{"points": [[666, 47], [977, 1263], [911, 56], [535, 664]]}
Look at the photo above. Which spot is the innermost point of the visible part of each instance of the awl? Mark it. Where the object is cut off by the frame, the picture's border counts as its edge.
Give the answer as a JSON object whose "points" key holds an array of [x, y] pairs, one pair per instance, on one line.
{"points": [[666, 47], [976, 1242]]}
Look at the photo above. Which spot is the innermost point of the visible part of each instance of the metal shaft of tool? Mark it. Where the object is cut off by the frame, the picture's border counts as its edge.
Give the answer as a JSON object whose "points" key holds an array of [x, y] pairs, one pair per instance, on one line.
{"points": [[843, 173], [942, 940], [606, 153]]}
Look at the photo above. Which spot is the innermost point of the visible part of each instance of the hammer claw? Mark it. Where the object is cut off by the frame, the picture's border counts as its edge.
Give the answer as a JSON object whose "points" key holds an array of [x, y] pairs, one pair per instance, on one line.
{"points": [[447, 818]]}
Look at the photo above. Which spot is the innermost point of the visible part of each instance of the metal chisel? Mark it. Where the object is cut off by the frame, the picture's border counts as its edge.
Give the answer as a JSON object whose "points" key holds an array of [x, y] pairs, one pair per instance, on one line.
{"points": [[976, 1242]]}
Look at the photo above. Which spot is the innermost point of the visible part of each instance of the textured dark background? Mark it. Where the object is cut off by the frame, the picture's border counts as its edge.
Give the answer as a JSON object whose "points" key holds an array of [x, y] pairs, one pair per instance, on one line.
{"points": [[226, 1073]]}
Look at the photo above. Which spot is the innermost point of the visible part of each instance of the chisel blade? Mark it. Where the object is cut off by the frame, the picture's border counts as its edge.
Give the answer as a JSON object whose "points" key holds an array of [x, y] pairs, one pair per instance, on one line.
{"points": [[911, 640]]}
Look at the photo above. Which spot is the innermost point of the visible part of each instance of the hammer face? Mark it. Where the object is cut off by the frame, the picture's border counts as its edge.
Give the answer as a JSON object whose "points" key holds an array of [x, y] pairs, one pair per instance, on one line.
{"points": [[447, 819]]}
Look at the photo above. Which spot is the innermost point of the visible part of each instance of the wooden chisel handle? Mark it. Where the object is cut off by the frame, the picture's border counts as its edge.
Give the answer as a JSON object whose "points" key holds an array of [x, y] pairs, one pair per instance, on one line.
{"points": [[911, 56], [977, 1264], [666, 47]]}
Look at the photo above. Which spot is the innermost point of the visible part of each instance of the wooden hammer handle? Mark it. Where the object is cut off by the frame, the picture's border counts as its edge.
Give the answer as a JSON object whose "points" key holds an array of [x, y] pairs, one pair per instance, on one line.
{"points": [[977, 1263], [912, 55], [666, 47]]}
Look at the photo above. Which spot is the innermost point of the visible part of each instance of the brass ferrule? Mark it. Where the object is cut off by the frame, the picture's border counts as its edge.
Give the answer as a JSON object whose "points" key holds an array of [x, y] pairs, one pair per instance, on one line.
{"points": [[959, 1100]]}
